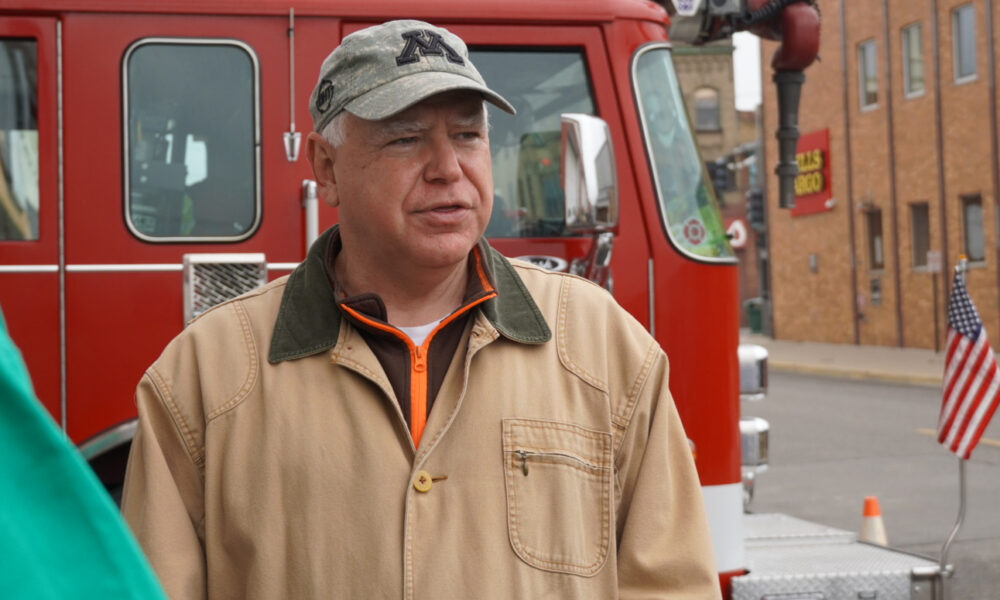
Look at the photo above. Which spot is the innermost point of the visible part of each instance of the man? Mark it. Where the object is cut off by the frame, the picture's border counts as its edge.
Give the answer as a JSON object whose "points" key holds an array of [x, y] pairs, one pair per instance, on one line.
{"points": [[409, 414]]}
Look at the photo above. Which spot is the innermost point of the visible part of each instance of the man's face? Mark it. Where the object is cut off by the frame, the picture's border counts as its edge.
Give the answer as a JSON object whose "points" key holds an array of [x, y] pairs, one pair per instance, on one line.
{"points": [[416, 189]]}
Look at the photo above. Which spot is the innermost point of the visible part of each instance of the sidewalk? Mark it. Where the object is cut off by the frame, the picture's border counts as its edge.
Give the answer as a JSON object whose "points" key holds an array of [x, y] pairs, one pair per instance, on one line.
{"points": [[899, 365]]}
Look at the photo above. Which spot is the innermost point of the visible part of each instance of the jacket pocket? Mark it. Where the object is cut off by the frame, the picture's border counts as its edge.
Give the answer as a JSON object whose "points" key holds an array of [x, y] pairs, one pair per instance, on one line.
{"points": [[559, 485]]}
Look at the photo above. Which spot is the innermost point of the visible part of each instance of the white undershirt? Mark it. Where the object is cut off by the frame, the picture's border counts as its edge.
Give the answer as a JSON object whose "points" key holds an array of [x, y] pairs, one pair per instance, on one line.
{"points": [[419, 333]]}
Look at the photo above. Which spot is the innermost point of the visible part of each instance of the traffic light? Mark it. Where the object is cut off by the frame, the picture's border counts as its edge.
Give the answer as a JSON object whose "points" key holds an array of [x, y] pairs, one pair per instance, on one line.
{"points": [[718, 172], [755, 209]]}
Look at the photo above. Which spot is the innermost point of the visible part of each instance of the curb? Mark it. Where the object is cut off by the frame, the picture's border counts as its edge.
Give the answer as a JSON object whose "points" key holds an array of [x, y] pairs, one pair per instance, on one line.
{"points": [[855, 373]]}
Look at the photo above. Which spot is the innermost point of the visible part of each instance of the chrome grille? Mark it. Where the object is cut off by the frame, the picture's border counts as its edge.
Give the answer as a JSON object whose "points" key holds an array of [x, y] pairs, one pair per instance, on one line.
{"points": [[210, 279]]}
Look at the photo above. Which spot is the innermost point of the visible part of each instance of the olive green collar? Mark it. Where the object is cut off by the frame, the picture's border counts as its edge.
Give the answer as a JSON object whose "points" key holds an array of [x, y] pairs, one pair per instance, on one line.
{"points": [[309, 321]]}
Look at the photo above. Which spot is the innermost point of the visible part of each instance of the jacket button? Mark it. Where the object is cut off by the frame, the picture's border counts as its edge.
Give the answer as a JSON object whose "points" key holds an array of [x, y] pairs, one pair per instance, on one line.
{"points": [[422, 482]]}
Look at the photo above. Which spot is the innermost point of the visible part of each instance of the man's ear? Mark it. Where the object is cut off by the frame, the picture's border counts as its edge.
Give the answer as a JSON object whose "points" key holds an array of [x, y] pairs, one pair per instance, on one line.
{"points": [[322, 156]]}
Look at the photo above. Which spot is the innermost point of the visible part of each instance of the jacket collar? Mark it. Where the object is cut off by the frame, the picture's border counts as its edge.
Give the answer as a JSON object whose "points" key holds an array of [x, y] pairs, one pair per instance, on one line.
{"points": [[308, 320]]}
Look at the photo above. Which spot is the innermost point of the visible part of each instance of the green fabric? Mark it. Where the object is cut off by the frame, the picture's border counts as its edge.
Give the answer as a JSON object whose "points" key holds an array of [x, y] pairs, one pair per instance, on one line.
{"points": [[308, 320], [60, 535], [513, 312]]}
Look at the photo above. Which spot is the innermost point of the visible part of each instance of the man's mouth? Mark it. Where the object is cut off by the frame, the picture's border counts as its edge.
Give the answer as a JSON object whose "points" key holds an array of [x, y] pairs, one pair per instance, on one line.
{"points": [[446, 215], [446, 207]]}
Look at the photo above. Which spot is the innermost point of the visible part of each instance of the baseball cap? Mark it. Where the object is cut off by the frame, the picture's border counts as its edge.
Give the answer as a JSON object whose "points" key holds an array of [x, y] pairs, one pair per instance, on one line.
{"points": [[379, 71]]}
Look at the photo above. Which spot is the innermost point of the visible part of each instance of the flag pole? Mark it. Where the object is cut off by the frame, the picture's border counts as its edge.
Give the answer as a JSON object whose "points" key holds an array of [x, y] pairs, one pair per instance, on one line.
{"points": [[944, 569]]}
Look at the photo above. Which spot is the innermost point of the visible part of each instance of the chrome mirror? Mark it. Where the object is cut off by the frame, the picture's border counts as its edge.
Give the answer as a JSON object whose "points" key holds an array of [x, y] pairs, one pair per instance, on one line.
{"points": [[588, 174]]}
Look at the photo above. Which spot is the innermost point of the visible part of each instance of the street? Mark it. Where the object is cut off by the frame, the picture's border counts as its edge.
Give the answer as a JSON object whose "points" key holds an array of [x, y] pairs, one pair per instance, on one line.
{"points": [[835, 441]]}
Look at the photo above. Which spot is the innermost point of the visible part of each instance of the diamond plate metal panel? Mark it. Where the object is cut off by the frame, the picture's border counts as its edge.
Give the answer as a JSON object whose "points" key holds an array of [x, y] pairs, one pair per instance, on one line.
{"points": [[790, 559], [767, 529]]}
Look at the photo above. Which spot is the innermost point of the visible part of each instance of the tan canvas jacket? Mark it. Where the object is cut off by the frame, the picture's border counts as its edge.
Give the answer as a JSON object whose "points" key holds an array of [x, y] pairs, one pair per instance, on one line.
{"points": [[272, 460]]}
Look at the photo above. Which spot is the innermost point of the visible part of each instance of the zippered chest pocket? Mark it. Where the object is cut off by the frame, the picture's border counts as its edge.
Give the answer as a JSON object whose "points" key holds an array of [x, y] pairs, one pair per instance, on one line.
{"points": [[559, 484]]}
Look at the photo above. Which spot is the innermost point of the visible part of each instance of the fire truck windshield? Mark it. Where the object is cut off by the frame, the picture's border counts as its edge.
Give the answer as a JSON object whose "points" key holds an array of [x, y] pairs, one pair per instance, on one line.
{"points": [[687, 201], [542, 85]]}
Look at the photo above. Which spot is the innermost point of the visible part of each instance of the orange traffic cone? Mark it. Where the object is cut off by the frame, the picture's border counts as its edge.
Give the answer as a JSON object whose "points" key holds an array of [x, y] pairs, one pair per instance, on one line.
{"points": [[872, 528]]}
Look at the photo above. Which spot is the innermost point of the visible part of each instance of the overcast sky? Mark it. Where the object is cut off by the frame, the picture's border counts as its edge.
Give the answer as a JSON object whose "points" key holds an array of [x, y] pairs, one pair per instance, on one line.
{"points": [[746, 70]]}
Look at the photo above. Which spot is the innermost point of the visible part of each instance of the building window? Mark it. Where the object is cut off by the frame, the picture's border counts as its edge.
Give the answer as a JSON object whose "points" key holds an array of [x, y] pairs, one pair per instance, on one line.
{"points": [[868, 74], [963, 29], [913, 61], [972, 228], [876, 259], [18, 140], [920, 228], [706, 110], [192, 168]]}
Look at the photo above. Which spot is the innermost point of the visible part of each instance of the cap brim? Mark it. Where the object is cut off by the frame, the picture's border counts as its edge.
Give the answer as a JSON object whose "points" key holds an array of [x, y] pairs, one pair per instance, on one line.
{"points": [[400, 94]]}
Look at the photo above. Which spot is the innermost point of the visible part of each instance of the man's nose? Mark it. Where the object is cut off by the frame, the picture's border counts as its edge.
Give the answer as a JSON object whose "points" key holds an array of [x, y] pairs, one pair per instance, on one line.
{"points": [[442, 162]]}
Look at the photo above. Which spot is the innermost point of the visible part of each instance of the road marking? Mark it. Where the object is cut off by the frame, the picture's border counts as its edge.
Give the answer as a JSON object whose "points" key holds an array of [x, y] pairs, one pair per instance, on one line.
{"points": [[987, 441]]}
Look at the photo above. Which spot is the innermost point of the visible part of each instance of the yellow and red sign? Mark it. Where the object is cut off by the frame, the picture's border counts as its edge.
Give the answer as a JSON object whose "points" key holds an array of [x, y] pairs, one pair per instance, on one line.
{"points": [[813, 187]]}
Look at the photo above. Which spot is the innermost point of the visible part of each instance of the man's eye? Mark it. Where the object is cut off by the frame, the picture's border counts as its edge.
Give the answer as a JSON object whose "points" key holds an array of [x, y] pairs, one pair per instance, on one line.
{"points": [[404, 141], [470, 135]]}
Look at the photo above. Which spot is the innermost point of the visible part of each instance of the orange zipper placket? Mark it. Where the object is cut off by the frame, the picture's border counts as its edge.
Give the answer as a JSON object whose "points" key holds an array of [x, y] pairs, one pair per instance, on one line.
{"points": [[418, 374], [418, 389], [418, 354]]}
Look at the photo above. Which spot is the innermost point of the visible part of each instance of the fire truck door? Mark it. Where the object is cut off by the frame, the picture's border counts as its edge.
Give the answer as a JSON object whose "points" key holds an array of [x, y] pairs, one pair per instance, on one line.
{"points": [[174, 127], [30, 212]]}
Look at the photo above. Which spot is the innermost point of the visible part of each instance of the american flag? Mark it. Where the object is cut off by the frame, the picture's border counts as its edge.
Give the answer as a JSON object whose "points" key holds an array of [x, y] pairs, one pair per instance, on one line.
{"points": [[971, 376]]}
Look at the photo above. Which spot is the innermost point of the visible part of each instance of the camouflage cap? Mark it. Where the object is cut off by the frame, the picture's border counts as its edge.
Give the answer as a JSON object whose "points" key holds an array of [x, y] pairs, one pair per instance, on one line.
{"points": [[379, 71]]}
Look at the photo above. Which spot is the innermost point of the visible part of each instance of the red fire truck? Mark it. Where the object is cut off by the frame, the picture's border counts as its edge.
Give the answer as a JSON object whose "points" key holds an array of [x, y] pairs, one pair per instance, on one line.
{"points": [[151, 168]]}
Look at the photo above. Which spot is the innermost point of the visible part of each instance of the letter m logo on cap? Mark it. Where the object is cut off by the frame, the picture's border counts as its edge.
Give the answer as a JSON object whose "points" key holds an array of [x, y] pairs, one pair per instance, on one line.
{"points": [[429, 44]]}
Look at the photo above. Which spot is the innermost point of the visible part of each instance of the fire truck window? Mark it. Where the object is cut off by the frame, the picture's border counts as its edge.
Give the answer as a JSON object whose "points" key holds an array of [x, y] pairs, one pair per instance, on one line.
{"points": [[18, 140], [687, 201], [542, 85], [192, 163]]}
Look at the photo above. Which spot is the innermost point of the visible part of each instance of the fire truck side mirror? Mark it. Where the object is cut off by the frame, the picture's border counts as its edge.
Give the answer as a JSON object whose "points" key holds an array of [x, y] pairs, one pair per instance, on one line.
{"points": [[589, 179]]}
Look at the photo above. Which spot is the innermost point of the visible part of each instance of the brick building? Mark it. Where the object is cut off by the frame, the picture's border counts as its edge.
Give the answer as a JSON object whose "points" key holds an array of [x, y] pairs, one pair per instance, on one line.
{"points": [[706, 77], [726, 137], [905, 96]]}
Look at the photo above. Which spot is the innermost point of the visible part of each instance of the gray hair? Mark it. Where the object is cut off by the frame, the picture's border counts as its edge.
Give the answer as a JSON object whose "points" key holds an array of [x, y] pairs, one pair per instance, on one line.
{"points": [[335, 131]]}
